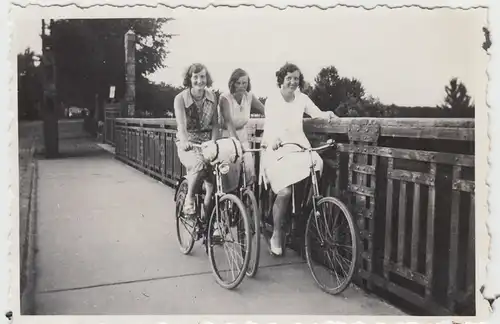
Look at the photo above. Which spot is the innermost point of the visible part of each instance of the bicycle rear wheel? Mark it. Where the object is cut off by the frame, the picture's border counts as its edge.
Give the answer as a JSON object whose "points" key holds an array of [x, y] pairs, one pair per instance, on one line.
{"points": [[252, 210], [232, 216], [331, 244], [185, 225]]}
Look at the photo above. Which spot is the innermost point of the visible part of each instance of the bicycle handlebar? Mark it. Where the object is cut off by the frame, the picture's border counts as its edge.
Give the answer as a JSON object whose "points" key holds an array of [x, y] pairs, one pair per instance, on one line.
{"points": [[329, 143], [244, 150], [254, 150]]}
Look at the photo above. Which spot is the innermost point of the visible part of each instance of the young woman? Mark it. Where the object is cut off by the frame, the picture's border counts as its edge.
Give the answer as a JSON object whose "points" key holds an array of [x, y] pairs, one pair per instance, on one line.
{"points": [[235, 107], [197, 121], [283, 166]]}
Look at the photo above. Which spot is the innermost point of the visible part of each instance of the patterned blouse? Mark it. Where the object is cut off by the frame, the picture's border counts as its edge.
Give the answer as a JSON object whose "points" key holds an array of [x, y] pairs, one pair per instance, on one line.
{"points": [[199, 119]]}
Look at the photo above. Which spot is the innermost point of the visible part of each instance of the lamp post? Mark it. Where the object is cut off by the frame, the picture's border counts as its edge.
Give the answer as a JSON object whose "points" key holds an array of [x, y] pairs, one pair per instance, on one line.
{"points": [[49, 103]]}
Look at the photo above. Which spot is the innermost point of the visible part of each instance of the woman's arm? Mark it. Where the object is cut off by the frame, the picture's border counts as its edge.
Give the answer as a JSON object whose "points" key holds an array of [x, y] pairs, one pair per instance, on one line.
{"points": [[312, 110], [180, 118], [215, 125], [272, 129], [226, 115], [257, 105]]}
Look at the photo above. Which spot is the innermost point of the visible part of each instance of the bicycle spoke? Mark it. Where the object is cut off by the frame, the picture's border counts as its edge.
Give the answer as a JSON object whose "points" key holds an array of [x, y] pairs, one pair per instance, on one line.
{"points": [[229, 222], [336, 257], [331, 268], [230, 258], [331, 244]]}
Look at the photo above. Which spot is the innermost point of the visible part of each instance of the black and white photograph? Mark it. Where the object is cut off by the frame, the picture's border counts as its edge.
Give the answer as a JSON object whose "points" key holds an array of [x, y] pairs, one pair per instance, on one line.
{"points": [[244, 161]]}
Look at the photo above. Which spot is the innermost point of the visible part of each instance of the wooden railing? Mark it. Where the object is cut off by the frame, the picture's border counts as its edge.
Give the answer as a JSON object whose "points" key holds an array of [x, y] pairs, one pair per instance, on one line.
{"points": [[409, 182], [111, 112]]}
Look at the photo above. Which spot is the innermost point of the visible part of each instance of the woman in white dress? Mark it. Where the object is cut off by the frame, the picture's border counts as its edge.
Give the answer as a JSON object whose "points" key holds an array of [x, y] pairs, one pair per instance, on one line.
{"points": [[235, 107], [284, 123]]}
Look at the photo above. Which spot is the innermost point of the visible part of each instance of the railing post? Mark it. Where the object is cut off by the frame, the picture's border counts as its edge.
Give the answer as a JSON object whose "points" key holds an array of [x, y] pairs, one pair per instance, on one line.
{"points": [[141, 145], [125, 141], [162, 139], [362, 168]]}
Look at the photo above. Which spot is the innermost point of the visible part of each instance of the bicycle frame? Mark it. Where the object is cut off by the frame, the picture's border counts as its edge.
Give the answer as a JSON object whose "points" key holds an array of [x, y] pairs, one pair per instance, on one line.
{"points": [[316, 195], [219, 192]]}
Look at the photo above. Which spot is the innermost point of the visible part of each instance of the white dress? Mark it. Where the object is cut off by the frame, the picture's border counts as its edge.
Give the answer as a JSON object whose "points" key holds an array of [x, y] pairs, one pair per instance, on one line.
{"points": [[240, 114], [284, 120]]}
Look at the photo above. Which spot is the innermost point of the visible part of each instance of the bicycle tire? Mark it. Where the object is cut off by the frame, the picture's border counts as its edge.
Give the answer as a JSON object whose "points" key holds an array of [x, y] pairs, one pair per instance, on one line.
{"points": [[266, 202], [179, 204], [353, 230], [254, 217], [239, 278]]}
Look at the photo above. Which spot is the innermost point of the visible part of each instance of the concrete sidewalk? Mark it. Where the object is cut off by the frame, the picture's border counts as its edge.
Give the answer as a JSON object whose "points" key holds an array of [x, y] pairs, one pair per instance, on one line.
{"points": [[107, 246]]}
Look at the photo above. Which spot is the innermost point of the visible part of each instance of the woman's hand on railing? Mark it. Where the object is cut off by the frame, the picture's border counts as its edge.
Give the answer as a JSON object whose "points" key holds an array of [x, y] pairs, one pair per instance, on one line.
{"points": [[332, 116]]}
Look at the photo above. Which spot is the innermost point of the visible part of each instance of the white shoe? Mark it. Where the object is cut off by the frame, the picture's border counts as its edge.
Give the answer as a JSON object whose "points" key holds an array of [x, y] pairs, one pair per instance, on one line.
{"points": [[275, 246]]}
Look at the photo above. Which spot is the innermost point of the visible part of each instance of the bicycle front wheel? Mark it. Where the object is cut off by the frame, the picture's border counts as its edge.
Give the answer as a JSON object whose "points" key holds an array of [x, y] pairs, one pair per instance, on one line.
{"points": [[186, 226], [331, 244], [229, 241], [252, 209]]}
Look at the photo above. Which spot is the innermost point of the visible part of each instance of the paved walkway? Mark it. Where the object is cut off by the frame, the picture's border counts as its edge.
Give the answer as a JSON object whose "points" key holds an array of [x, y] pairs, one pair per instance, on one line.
{"points": [[107, 245]]}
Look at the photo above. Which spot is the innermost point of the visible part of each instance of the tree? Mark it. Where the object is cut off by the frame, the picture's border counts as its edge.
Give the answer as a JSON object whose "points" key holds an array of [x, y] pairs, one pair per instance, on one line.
{"points": [[456, 98], [89, 55], [156, 100], [29, 85], [351, 107], [331, 90], [308, 88]]}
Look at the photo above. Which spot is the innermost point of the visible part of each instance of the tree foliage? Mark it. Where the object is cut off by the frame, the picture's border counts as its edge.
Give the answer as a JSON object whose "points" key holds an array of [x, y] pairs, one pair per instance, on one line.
{"points": [[29, 85], [457, 97], [335, 93], [347, 98], [156, 100], [90, 55]]}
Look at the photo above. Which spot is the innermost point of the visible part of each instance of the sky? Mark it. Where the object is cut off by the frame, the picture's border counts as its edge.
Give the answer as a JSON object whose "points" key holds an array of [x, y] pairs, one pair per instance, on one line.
{"points": [[402, 56]]}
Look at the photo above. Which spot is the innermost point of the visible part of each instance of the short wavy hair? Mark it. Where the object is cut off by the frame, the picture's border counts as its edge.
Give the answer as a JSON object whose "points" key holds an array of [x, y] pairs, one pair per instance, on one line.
{"points": [[289, 68], [196, 68], [238, 73]]}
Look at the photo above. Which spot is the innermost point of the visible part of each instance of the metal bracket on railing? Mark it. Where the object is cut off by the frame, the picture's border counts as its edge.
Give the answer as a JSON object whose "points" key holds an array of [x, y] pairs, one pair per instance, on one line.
{"points": [[364, 130]]}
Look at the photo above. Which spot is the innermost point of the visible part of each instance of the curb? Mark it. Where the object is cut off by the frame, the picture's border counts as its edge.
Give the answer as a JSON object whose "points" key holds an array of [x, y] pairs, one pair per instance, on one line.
{"points": [[27, 303], [106, 147]]}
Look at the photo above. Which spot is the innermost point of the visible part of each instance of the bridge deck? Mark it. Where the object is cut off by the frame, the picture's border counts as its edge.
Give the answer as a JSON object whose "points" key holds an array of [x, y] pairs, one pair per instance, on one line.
{"points": [[106, 245]]}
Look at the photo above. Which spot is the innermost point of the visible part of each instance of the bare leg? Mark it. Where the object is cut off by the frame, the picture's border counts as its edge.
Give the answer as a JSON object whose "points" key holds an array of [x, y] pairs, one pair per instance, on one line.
{"points": [[193, 183], [209, 190], [279, 210]]}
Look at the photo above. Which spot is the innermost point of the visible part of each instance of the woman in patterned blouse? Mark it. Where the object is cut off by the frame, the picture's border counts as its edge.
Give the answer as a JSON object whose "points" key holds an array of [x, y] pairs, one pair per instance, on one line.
{"points": [[197, 122]]}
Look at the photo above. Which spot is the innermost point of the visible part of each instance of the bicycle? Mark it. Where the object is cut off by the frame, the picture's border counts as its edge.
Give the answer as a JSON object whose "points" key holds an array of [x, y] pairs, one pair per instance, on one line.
{"points": [[214, 233], [316, 243], [247, 196]]}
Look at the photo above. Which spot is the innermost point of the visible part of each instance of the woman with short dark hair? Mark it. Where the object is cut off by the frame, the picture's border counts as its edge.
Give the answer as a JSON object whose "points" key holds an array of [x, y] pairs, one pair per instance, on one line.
{"points": [[283, 166]]}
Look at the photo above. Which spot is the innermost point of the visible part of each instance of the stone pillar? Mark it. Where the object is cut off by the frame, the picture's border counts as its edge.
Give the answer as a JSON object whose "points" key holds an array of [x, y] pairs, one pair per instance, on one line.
{"points": [[130, 73]]}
